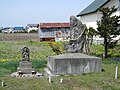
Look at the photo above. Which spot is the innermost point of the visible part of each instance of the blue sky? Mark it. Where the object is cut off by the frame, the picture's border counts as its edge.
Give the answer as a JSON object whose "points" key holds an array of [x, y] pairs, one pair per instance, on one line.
{"points": [[23, 12]]}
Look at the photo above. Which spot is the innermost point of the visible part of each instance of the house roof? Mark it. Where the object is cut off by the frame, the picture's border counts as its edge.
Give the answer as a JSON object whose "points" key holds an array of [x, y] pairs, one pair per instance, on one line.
{"points": [[54, 25], [18, 28], [93, 7], [6, 28], [32, 25]]}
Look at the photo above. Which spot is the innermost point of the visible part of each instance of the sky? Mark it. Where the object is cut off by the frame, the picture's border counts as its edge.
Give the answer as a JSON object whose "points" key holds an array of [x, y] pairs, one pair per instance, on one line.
{"points": [[23, 12]]}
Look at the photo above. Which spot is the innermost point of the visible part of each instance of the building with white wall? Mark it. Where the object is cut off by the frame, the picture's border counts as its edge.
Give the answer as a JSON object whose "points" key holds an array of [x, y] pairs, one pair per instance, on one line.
{"points": [[90, 15], [7, 30], [31, 27]]}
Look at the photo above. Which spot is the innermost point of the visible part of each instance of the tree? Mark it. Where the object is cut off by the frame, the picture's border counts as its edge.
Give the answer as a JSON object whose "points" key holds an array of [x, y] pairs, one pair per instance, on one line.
{"points": [[108, 27], [90, 32]]}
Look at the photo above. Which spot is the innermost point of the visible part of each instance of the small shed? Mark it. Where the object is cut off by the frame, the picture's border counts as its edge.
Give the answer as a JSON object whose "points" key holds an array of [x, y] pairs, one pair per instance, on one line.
{"points": [[54, 31]]}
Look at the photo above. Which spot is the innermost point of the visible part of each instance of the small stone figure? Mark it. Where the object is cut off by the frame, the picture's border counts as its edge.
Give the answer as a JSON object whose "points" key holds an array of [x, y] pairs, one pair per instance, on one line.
{"points": [[77, 36], [25, 54]]}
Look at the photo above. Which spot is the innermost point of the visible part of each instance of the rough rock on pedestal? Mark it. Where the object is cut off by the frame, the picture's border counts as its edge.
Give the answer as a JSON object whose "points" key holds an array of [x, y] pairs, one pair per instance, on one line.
{"points": [[73, 63]]}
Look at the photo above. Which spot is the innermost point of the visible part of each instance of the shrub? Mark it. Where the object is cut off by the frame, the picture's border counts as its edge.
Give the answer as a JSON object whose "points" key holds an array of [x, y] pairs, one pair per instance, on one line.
{"points": [[57, 47], [33, 31], [115, 52], [97, 50]]}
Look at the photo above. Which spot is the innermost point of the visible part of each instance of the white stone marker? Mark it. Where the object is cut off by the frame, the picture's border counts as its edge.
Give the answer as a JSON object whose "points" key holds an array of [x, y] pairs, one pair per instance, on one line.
{"points": [[49, 78], [116, 73], [2, 83], [61, 80]]}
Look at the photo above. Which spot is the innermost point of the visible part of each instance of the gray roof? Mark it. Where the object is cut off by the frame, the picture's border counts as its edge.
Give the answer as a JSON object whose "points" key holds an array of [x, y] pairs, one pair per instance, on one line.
{"points": [[93, 7], [32, 25]]}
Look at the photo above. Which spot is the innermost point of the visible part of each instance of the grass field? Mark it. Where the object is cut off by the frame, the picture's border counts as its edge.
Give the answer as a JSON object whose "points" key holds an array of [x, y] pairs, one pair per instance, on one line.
{"points": [[10, 55], [18, 36]]}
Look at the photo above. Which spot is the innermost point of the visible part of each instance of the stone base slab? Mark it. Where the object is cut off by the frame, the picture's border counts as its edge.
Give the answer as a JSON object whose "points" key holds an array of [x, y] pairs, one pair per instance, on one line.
{"points": [[25, 67], [73, 63]]}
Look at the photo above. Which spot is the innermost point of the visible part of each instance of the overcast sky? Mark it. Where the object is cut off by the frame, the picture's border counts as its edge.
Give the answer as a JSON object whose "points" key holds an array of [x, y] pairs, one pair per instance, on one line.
{"points": [[23, 12]]}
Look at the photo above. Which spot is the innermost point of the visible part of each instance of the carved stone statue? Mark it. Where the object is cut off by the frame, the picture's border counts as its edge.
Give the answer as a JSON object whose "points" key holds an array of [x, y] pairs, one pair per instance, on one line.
{"points": [[25, 54], [77, 36]]}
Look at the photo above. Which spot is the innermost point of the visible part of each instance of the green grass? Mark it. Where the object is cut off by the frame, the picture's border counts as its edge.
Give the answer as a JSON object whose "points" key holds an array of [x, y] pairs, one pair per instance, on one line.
{"points": [[98, 50], [92, 81], [10, 50], [10, 56], [8, 67]]}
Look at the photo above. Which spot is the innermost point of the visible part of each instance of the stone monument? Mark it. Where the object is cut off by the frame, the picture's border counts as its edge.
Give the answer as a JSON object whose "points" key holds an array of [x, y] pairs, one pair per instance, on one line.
{"points": [[25, 67], [77, 41], [74, 61]]}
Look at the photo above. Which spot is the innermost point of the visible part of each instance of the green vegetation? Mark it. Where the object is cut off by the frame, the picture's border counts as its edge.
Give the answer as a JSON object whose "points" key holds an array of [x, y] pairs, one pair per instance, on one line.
{"points": [[11, 50], [92, 81], [10, 55], [57, 47], [98, 50], [33, 31], [108, 27]]}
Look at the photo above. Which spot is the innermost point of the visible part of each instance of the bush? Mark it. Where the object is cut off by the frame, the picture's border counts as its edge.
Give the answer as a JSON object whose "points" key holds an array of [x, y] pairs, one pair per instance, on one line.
{"points": [[33, 31], [57, 47], [24, 31], [97, 50], [115, 52]]}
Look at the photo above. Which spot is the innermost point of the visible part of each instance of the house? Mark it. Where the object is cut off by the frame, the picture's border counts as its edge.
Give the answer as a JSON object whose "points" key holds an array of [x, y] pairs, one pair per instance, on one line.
{"points": [[54, 31], [18, 30], [90, 15], [7, 30], [31, 27]]}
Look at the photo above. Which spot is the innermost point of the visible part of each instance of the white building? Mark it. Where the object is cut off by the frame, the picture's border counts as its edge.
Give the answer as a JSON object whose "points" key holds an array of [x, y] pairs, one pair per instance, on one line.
{"points": [[7, 30], [31, 27], [90, 15]]}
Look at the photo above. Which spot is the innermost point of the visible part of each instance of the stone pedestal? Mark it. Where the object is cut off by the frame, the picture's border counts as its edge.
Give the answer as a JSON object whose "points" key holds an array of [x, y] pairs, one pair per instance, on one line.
{"points": [[73, 63], [25, 67]]}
